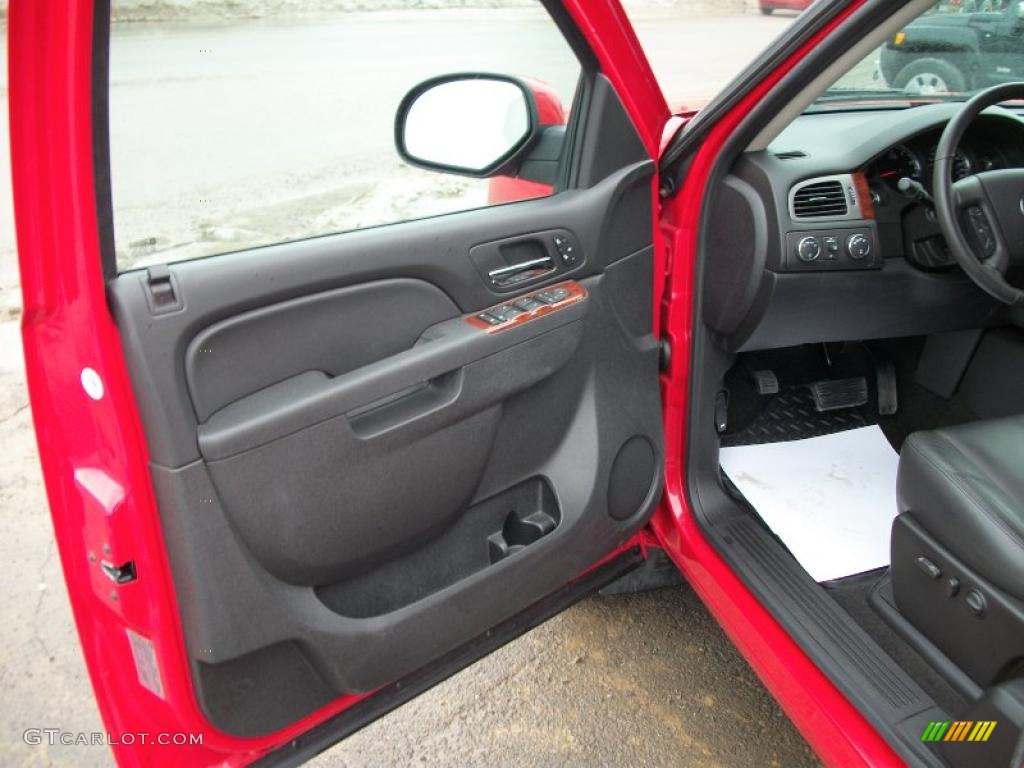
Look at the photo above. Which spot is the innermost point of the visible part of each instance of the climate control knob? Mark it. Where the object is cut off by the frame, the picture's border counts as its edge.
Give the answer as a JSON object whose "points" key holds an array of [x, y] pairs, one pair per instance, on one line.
{"points": [[808, 249], [858, 246]]}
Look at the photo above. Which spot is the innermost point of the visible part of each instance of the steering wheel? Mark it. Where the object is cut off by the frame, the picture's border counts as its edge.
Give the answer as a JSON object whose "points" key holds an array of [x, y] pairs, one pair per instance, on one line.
{"points": [[981, 216]]}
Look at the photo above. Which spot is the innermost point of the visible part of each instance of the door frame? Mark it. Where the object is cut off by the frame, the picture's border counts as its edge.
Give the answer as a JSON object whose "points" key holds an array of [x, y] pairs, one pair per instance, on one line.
{"points": [[838, 732]]}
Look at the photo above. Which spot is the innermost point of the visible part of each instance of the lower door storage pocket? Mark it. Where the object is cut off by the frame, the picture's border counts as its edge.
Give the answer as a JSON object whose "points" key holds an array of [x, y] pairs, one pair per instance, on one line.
{"points": [[488, 532]]}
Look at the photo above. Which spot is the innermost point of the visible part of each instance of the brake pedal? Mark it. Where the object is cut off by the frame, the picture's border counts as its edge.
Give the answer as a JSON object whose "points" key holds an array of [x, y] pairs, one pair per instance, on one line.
{"points": [[767, 382], [835, 394]]}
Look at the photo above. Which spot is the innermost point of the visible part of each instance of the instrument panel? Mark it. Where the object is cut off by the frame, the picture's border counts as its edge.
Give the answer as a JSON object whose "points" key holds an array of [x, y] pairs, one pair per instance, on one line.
{"points": [[915, 159]]}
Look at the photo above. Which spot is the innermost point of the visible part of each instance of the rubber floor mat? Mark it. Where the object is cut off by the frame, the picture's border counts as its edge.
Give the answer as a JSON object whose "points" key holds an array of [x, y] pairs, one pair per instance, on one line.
{"points": [[790, 415]]}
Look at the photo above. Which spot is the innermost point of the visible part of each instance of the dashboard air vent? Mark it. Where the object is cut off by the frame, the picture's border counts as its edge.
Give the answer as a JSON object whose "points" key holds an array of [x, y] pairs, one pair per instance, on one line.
{"points": [[790, 154], [819, 200]]}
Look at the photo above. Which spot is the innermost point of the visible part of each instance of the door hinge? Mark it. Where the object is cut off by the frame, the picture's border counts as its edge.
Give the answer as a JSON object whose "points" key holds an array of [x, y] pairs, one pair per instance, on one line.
{"points": [[162, 290]]}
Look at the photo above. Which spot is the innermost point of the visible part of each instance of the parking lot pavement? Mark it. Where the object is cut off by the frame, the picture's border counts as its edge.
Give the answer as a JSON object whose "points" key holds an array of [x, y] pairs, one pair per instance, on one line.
{"points": [[645, 679]]}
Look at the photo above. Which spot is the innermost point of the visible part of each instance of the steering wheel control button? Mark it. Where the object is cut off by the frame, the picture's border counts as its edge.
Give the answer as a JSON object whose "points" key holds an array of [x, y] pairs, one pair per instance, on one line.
{"points": [[808, 249], [858, 246], [982, 230]]}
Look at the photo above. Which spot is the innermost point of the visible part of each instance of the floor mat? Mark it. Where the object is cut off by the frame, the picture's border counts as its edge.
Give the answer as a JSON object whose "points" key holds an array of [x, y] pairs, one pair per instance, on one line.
{"points": [[790, 415], [831, 499]]}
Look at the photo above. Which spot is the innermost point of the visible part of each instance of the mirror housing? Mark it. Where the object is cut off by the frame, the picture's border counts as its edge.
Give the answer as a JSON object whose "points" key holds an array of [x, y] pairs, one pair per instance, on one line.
{"points": [[472, 124]]}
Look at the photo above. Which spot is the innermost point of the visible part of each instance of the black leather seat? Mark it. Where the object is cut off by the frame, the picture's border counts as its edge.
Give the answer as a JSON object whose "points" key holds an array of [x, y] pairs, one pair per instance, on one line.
{"points": [[958, 543], [965, 485]]}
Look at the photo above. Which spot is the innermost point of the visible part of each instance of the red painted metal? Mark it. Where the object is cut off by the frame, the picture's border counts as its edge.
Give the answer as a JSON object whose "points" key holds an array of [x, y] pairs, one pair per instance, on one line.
{"points": [[607, 30], [834, 728]]}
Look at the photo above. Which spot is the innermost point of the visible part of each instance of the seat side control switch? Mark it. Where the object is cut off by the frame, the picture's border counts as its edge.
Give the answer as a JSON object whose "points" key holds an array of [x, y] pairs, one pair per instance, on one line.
{"points": [[931, 570]]}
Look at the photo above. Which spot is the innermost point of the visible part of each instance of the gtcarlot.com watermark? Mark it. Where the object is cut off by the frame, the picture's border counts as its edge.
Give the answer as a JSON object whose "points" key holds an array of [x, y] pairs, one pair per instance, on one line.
{"points": [[54, 736]]}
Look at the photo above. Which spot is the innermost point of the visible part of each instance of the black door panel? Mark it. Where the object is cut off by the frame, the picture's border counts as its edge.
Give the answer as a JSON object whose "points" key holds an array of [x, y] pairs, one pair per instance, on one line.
{"points": [[363, 492], [389, 392], [333, 332], [354, 479]]}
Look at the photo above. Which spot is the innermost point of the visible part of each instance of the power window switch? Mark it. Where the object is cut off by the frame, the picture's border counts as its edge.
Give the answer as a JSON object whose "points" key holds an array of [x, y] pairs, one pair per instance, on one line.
{"points": [[527, 304], [506, 312], [552, 296], [490, 319]]}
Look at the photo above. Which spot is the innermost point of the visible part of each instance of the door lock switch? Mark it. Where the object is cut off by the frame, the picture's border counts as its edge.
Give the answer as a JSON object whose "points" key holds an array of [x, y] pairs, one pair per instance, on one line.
{"points": [[565, 249]]}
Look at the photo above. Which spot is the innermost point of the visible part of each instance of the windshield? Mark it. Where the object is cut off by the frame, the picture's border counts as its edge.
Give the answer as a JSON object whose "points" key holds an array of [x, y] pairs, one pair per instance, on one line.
{"points": [[949, 52]]}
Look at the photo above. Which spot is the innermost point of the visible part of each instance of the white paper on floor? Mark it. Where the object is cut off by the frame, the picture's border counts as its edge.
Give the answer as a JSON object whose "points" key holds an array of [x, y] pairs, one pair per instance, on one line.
{"points": [[831, 499]]}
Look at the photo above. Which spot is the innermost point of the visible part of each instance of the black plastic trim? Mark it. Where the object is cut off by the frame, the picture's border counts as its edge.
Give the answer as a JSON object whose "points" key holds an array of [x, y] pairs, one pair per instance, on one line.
{"points": [[344, 724], [882, 600], [101, 135]]}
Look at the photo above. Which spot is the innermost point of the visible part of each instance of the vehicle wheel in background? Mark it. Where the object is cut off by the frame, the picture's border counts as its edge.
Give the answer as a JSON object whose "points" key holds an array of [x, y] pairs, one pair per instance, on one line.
{"points": [[766, 10], [928, 76]]}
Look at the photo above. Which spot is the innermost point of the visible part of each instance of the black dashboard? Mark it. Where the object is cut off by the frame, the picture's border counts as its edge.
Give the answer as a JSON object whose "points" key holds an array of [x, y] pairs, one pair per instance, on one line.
{"points": [[817, 239]]}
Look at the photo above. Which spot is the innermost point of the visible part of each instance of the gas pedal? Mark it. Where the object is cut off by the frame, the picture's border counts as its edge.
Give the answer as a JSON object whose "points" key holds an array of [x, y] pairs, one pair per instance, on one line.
{"points": [[888, 402], [835, 394]]}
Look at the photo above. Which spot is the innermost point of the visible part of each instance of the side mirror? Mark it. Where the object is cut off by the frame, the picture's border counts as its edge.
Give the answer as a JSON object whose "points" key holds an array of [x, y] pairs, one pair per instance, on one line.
{"points": [[476, 125]]}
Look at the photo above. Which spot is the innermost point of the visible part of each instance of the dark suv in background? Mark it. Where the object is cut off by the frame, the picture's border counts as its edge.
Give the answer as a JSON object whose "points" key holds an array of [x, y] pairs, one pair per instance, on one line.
{"points": [[957, 48]]}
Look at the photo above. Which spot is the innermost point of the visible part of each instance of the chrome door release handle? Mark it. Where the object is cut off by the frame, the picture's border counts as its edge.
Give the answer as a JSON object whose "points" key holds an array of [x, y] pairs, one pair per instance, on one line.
{"points": [[512, 269]]}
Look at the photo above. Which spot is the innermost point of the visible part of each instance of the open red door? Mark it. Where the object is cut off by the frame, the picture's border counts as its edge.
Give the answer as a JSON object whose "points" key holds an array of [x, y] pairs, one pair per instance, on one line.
{"points": [[294, 485]]}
